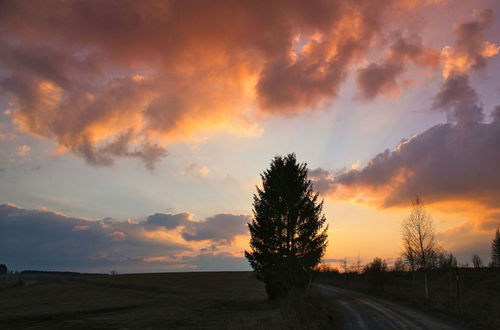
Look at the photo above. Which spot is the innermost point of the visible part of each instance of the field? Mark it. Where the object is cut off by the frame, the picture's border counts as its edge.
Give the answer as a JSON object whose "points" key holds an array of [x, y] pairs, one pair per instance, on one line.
{"points": [[475, 302], [213, 300]]}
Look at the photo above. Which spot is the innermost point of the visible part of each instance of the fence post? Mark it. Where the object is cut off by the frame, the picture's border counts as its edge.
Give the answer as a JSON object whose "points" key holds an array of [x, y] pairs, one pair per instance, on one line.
{"points": [[458, 283], [450, 288], [426, 288]]}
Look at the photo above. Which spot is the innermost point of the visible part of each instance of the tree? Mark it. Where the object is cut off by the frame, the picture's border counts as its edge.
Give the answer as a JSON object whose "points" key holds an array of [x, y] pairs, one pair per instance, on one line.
{"points": [[3, 269], [418, 238], [344, 265], [495, 250], [476, 261], [445, 260], [376, 266], [399, 265], [288, 233]]}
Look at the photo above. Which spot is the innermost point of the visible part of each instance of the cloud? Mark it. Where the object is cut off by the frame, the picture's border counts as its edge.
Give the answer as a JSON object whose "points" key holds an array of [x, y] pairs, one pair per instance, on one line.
{"points": [[449, 162], [460, 100], [469, 51], [47, 240], [80, 227], [23, 150], [117, 236], [195, 170], [220, 227], [43, 239], [332, 260], [445, 162], [168, 221], [108, 80], [382, 78], [222, 261], [466, 239]]}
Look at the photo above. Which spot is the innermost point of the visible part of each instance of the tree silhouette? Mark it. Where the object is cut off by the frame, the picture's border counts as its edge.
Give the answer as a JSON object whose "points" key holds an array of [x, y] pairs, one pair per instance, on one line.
{"points": [[495, 250], [418, 238], [476, 261], [3, 270], [376, 266], [288, 237], [445, 260]]}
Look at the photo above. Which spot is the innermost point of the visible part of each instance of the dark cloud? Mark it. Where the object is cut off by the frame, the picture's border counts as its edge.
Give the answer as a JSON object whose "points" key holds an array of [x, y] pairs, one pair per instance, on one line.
{"points": [[496, 114], [323, 180], [380, 78], [111, 79], [47, 240], [168, 221], [220, 227], [218, 261], [469, 37], [460, 100], [41, 239], [444, 163], [333, 260]]}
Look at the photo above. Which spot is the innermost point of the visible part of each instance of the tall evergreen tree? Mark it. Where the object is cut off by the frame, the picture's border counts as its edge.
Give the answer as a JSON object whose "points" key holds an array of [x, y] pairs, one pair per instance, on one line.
{"points": [[495, 250], [288, 233]]}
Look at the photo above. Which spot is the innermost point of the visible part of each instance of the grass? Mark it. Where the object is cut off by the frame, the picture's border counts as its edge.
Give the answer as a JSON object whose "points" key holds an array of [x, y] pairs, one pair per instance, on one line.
{"points": [[476, 308], [211, 300]]}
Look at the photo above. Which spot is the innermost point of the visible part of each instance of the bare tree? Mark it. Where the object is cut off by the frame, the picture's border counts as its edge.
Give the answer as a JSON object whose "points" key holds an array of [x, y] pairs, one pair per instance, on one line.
{"points": [[476, 261], [358, 267], [344, 265], [419, 246]]}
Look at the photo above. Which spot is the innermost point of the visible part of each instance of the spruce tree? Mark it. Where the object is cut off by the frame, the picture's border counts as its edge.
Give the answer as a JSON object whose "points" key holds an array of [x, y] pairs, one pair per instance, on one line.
{"points": [[495, 250], [288, 232]]}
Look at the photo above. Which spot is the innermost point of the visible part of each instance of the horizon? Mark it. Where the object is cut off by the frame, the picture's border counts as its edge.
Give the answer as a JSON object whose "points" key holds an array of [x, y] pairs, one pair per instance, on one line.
{"points": [[133, 138]]}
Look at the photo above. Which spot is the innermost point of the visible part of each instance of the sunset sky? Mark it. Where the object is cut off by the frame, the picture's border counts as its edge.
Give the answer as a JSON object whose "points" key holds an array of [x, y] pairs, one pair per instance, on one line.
{"points": [[133, 133]]}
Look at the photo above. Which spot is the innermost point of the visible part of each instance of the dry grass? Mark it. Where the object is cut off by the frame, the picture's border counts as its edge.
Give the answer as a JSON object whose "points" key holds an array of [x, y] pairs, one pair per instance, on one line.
{"points": [[212, 300]]}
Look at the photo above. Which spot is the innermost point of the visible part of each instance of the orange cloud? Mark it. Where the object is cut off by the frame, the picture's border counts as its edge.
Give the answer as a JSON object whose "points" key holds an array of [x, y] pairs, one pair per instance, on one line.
{"points": [[108, 80], [470, 51]]}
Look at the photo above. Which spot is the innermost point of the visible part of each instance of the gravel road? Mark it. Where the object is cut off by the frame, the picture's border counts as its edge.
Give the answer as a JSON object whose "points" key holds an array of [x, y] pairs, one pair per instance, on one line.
{"points": [[364, 312]]}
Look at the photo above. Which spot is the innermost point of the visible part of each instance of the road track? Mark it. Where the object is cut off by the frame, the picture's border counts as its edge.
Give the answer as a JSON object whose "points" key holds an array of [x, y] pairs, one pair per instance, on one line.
{"points": [[364, 312]]}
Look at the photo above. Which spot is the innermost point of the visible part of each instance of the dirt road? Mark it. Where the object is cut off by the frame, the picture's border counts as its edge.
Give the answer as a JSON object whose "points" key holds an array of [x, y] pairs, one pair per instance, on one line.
{"points": [[364, 312]]}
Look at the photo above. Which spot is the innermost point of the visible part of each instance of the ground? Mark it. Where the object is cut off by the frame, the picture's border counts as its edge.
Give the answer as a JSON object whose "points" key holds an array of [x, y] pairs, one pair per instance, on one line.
{"points": [[213, 300]]}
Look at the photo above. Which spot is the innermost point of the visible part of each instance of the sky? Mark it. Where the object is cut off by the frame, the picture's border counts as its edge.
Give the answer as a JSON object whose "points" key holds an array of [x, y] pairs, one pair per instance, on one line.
{"points": [[133, 133]]}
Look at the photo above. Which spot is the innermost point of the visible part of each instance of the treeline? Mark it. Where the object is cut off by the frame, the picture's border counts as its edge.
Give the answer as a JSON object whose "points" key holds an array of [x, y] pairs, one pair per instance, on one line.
{"points": [[4, 271], [441, 260], [420, 250]]}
